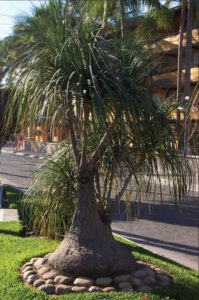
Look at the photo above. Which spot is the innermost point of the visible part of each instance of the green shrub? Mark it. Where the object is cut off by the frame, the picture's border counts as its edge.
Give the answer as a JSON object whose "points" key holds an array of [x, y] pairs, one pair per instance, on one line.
{"points": [[49, 204]]}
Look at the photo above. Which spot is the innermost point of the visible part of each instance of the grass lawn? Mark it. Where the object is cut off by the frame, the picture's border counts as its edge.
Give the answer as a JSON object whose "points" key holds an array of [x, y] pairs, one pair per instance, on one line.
{"points": [[16, 249]]}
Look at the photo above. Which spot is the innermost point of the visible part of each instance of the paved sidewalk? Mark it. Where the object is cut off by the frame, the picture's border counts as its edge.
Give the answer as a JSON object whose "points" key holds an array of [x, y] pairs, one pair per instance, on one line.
{"points": [[16, 167]]}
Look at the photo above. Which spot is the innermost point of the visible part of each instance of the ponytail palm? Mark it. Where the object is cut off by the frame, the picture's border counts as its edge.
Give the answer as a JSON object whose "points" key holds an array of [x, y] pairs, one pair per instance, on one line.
{"points": [[65, 69]]}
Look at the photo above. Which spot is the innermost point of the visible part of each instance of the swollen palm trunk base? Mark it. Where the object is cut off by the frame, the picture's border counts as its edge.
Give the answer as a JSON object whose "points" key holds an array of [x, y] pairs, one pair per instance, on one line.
{"points": [[89, 248]]}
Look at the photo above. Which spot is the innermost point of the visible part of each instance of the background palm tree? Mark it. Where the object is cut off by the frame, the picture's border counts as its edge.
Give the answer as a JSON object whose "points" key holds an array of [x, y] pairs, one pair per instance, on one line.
{"points": [[64, 65]]}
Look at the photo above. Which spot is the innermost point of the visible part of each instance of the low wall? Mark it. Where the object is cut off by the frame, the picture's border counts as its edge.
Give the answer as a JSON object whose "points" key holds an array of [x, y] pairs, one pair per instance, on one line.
{"points": [[7, 215], [40, 147]]}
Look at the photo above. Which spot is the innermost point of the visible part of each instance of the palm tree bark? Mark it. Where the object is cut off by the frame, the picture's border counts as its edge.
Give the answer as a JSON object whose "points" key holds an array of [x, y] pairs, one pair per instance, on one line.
{"points": [[89, 248], [188, 52], [179, 68], [122, 15], [188, 57]]}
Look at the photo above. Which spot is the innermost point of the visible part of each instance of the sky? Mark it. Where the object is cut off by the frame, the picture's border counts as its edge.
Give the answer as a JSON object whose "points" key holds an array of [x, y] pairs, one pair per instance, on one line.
{"points": [[10, 9]]}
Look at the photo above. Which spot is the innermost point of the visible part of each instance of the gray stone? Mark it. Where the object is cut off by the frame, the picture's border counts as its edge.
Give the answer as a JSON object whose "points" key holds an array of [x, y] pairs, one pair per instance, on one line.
{"points": [[156, 287], [94, 289], [43, 270], [149, 279], [47, 255], [163, 277], [50, 281], [83, 281], [40, 262], [34, 259], [127, 290], [109, 289], [164, 283], [124, 285], [26, 269], [62, 289], [63, 279], [160, 271], [136, 281], [145, 288], [28, 273], [38, 282], [47, 288], [28, 264], [122, 278], [31, 279], [149, 271], [103, 281], [139, 273], [79, 289], [49, 275]]}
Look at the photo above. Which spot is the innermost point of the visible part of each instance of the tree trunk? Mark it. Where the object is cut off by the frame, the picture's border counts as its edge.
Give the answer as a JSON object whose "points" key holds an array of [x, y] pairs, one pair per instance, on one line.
{"points": [[89, 248], [122, 15], [188, 57], [179, 69], [188, 53]]}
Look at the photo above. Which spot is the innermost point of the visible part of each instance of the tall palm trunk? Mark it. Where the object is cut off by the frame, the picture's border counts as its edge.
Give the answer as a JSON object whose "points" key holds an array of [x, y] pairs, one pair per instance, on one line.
{"points": [[188, 57], [122, 16], [104, 19], [188, 52], [179, 68], [89, 248]]}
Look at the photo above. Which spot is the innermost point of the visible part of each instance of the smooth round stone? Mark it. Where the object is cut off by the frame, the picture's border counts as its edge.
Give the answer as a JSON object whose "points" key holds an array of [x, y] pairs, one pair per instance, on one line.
{"points": [[124, 285], [145, 288], [122, 278], [63, 279], [139, 273], [149, 279], [34, 259], [127, 290], [28, 264], [163, 277], [94, 289], [50, 281], [28, 273], [47, 255], [43, 270], [31, 279], [47, 288], [149, 271], [40, 262], [109, 289], [160, 271], [83, 282], [136, 281], [79, 289], [164, 283], [42, 266], [38, 282], [27, 269], [103, 281], [61, 289], [156, 287], [49, 275]]}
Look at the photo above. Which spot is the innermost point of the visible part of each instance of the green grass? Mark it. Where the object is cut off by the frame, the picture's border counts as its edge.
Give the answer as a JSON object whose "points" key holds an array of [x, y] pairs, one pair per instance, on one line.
{"points": [[15, 250]]}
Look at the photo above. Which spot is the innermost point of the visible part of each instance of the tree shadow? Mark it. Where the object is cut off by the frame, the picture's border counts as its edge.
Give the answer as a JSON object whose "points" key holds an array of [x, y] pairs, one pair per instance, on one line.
{"points": [[185, 215], [148, 241]]}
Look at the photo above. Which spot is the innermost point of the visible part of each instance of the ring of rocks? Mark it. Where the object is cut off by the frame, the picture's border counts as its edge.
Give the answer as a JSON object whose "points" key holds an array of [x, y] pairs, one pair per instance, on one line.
{"points": [[145, 278]]}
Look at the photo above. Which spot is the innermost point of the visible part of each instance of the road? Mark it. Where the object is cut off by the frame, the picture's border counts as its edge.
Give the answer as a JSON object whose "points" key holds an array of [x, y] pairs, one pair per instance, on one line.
{"points": [[169, 231]]}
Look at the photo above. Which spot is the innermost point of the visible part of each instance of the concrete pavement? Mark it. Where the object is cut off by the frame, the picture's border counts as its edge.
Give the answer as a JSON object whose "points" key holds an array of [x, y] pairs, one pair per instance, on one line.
{"points": [[169, 231]]}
